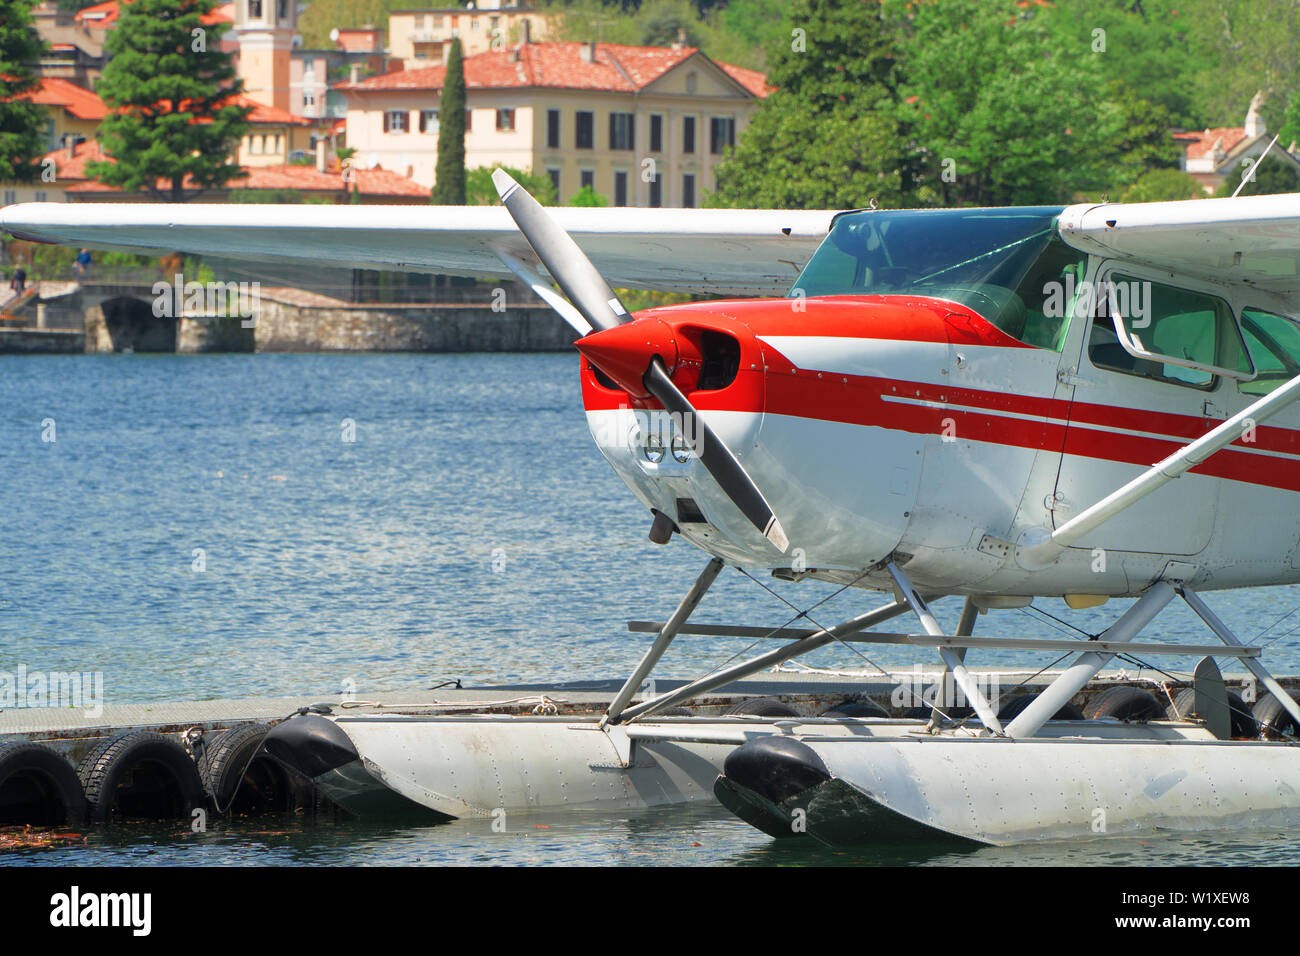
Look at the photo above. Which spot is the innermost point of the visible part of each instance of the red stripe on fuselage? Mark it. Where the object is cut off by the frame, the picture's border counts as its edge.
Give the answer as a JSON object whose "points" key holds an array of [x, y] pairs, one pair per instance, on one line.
{"points": [[865, 400]]}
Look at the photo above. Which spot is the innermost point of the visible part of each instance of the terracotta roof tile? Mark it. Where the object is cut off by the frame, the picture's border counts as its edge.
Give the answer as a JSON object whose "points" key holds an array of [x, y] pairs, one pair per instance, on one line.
{"points": [[77, 100], [370, 182], [752, 80], [560, 66], [1200, 144], [106, 14]]}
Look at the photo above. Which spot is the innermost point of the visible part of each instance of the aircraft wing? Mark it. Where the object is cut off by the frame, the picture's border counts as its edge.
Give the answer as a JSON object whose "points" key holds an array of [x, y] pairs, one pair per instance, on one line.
{"points": [[745, 252], [1253, 239]]}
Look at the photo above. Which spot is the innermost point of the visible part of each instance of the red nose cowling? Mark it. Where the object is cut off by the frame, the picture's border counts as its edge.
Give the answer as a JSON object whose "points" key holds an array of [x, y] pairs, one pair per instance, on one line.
{"points": [[625, 352]]}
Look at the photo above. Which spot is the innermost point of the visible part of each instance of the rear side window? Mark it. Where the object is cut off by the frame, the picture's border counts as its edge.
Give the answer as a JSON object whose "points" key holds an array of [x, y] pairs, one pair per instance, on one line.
{"points": [[1274, 345]]}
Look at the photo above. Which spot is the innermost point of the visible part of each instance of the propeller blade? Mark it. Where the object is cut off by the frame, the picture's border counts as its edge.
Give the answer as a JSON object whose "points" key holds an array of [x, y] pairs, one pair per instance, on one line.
{"points": [[578, 278], [717, 457]]}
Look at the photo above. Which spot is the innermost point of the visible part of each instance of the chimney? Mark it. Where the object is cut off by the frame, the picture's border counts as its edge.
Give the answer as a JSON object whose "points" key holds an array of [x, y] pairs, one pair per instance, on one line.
{"points": [[320, 155], [354, 73], [525, 31], [588, 52], [681, 38], [71, 142], [1254, 122]]}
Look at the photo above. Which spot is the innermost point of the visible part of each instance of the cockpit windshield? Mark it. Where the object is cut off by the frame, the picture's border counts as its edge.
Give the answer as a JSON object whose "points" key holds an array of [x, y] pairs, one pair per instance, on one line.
{"points": [[1008, 265]]}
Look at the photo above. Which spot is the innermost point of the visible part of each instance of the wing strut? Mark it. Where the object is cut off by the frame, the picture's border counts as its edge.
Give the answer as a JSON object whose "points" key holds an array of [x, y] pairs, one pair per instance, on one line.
{"points": [[1038, 548]]}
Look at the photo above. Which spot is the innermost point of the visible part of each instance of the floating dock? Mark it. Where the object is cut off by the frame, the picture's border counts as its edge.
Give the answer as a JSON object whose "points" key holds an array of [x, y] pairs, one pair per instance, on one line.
{"points": [[173, 757]]}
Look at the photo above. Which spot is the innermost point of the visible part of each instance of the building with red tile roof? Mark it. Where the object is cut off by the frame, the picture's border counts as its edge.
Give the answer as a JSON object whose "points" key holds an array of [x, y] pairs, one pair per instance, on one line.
{"points": [[73, 183], [1216, 154], [641, 125]]}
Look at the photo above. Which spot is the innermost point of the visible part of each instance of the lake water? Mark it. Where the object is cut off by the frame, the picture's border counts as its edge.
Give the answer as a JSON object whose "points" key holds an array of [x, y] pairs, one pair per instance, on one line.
{"points": [[201, 528]]}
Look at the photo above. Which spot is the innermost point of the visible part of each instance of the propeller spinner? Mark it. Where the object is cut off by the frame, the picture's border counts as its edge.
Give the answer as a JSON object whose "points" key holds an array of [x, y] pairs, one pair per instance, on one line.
{"points": [[632, 352]]}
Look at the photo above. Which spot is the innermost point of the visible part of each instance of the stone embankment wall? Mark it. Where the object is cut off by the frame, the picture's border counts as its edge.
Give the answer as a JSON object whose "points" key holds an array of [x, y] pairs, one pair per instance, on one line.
{"points": [[284, 326], [296, 320]]}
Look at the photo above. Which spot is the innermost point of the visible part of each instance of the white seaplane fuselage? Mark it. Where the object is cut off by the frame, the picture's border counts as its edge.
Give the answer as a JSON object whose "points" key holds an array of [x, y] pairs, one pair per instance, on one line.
{"points": [[907, 425]]}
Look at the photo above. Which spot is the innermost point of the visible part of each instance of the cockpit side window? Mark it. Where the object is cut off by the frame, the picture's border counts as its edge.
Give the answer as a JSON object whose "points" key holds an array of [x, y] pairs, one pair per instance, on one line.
{"points": [[1164, 320]]}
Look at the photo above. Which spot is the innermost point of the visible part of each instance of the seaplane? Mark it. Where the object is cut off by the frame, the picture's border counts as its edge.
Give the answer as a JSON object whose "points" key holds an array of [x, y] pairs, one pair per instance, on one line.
{"points": [[1000, 405]]}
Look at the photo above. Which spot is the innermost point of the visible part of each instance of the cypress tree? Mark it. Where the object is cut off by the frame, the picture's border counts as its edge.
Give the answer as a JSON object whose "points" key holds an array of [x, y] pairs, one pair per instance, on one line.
{"points": [[21, 122], [168, 88], [449, 179]]}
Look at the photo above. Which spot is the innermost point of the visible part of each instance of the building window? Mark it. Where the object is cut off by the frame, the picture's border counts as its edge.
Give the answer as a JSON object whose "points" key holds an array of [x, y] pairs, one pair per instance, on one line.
{"points": [[585, 131], [587, 179], [308, 99], [688, 190], [254, 9], [11, 197], [40, 195], [418, 21], [429, 122], [469, 120], [657, 191], [552, 129], [254, 144], [656, 133], [281, 9], [688, 134], [397, 121], [620, 188], [555, 180], [506, 120], [620, 131], [722, 134]]}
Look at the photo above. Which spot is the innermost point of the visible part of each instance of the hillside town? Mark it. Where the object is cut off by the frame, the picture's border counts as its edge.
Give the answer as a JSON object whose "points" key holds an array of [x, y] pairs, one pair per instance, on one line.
{"points": [[588, 115]]}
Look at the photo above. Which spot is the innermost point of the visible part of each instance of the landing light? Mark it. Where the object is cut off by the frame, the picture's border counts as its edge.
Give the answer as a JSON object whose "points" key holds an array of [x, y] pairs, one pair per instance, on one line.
{"points": [[654, 449], [681, 450]]}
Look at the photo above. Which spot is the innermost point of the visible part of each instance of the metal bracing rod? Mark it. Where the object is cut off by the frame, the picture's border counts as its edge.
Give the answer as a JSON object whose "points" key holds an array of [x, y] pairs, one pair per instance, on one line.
{"points": [[1038, 549], [1056, 645], [965, 627], [951, 659], [1261, 673], [666, 635], [1085, 668], [764, 661]]}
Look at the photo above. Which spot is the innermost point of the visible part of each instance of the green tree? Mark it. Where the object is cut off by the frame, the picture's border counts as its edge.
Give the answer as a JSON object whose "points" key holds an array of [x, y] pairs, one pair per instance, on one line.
{"points": [[169, 91], [586, 196], [1160, 185], [831, 135], [1149, 46], [480, 190], [1274, 175], [22, 123], [449, 176], [1006, 112]]}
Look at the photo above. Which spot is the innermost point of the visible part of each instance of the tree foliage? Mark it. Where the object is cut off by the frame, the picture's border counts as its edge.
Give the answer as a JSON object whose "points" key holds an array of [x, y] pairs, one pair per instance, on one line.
{"points": [[481, 191], [831, 136], [940, 102], [586, 196], [169, 89], [449, 175], [22, 123]]}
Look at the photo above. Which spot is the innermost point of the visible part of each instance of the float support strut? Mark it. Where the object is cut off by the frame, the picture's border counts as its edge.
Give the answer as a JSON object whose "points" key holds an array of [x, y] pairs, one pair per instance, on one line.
{"points": [[764, 661], [666, 635], [1261, 673], [1086, 666], [952, 660]]}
